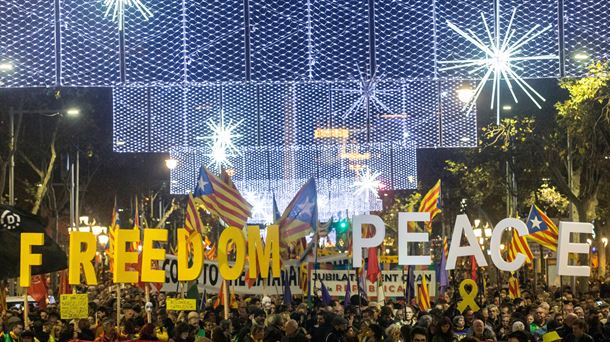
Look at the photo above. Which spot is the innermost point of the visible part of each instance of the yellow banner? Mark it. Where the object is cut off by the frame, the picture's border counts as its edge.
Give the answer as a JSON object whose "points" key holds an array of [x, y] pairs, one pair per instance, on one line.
{"points": [[74, 306], [389, 259], [181, 304]]}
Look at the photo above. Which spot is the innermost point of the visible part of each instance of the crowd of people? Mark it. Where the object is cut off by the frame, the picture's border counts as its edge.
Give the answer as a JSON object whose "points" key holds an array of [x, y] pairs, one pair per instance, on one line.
{"points": [[546, 316]]}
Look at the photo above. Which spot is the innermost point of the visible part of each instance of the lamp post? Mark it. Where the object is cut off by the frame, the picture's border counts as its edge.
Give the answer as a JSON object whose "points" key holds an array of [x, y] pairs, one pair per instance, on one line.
{"points": [[13, 143]]}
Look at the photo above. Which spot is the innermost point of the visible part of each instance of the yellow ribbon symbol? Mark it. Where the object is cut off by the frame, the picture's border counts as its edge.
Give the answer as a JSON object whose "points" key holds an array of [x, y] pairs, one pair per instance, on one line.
{"points": [[468, 298]]}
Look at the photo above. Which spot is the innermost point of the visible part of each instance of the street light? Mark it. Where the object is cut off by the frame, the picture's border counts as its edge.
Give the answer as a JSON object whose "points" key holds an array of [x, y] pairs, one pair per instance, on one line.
{"points": [[171, 163], [581, 56], [103, 239], [73, 112], [6, 66], [465, 94]]}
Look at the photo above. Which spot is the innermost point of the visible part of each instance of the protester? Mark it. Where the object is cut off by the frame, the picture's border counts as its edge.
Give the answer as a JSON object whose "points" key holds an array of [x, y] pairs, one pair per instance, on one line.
{"points": [[251, 319]]}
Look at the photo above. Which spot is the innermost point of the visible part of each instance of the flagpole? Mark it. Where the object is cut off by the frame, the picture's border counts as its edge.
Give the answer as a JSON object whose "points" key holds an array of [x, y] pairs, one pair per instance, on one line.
{"points": [[409, 285], [315, 261], [406, 290], [359, 291]]}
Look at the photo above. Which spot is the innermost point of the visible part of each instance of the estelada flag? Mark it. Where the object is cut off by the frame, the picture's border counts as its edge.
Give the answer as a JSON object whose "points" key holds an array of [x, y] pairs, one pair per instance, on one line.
{"points": [[15, 221]]}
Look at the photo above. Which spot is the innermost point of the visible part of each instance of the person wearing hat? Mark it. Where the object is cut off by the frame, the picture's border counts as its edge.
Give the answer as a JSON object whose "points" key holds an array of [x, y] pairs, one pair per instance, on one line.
{"points": [[459, 327], [552, 336], [195, 325]]}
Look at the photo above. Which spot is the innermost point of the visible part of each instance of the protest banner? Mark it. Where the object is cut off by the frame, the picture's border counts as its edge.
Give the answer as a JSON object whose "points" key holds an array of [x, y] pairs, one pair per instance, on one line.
{"points": [[74, 306], [181, 304], [394, 282], [210, 280]]}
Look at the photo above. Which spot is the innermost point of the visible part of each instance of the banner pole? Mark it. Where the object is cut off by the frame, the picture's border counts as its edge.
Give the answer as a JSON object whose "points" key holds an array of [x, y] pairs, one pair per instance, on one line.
{"points": [[226, 299], [118, 308], [26, 310], [147, 297]]}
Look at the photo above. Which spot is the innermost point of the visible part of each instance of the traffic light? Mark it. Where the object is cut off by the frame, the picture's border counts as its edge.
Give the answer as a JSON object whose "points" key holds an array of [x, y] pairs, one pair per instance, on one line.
{"points": [[341, 226]]}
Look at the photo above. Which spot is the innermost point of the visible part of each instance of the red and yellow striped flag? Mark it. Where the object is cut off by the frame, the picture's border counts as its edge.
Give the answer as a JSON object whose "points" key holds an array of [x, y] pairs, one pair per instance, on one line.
{"points": [[513, 288], [136, 226], [114, 225], [222, 198], [431, 203], [423, 295], [518, 244], [192, 222]]}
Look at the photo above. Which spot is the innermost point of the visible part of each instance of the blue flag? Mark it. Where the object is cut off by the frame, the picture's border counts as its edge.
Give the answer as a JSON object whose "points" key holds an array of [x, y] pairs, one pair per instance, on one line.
{"points": [[348, 293], [326, 298], [276, 210], [301, 215], [410, 288], [287, 292]]}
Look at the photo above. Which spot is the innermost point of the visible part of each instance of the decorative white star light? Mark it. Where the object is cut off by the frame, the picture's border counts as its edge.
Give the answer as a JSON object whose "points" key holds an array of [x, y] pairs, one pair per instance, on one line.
{"points": [[118, 8], [261, 210], [367, 89], [501, 52], [367, 183], [222, 145]]}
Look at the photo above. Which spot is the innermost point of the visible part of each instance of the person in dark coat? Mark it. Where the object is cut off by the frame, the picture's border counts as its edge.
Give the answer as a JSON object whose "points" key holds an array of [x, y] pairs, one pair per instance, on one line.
{"points": [[294, 333], [578, 332], [273, 331], [338, 333]]}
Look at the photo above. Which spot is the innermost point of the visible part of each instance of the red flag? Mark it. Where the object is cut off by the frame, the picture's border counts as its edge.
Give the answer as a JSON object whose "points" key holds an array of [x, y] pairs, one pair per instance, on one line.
{"points": [[38, 290], [373, 271], [64, 285], [221, 296], [473, 269]]}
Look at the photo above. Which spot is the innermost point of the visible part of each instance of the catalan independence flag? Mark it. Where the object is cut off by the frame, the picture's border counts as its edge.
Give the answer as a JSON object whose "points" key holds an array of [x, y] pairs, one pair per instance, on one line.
{"points": [[222, 199], [114, 225], [192, 220], [514, 291], [431, 203], [423, 295], [518, 244], [542, 229], [301, 215]]}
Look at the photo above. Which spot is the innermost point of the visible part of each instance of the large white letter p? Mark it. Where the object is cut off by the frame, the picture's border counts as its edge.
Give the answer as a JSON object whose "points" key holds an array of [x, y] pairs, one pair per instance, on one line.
{"points": [[358, 242]]}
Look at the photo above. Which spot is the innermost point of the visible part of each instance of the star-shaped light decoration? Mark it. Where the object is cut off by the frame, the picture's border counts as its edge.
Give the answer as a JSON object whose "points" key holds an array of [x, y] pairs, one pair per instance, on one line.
{"points": [[118, 8], [261, 210], [367, 89], [222, 145], [501, 51], [367, 183]]}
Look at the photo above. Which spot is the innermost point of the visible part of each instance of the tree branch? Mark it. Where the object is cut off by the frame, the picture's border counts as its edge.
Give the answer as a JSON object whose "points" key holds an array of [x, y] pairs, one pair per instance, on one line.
{"points": [[172, 207], [31, 164], [41, 191]]}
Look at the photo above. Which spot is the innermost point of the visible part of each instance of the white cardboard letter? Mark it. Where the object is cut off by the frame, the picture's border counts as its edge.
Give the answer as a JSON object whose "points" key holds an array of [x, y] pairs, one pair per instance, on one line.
{"points": [[462, 225], [404, 237], [565, 247], [496, 240], [358, 242]]}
